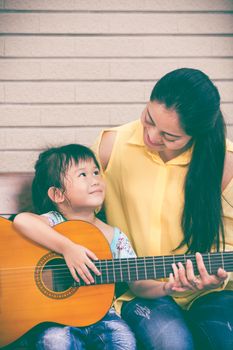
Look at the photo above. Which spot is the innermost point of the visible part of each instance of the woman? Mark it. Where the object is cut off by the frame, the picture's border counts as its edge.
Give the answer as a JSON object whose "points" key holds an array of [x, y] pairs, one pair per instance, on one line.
{"points": [[170, 188]]}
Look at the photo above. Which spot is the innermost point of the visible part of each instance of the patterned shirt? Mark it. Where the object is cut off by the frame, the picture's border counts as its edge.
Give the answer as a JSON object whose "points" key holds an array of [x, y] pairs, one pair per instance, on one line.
{"points": [[120, 245]]}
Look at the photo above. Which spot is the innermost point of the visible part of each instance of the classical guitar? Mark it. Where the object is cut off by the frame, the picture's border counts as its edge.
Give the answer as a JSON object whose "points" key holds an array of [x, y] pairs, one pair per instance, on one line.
{"points": [[36, 285]]}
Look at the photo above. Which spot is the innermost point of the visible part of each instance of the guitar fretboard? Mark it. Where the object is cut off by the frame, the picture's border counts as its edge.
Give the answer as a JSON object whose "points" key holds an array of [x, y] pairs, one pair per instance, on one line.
{"points": [[144, 268]]}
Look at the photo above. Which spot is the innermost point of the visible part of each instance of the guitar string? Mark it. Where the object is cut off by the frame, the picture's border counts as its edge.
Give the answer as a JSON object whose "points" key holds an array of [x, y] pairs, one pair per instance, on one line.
{"points": [[135, 262], [147, 260], [26, 282], [111, 279], [59, 267], [64, 270], [140, 269], [116, 269], [117, 276]]}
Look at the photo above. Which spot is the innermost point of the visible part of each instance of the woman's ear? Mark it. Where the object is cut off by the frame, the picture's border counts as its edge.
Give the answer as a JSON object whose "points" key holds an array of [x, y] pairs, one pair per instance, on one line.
{"points": [[56, 195]]}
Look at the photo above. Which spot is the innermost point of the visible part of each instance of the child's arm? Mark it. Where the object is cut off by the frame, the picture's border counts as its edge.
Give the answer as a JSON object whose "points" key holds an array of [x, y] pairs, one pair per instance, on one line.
{"points": [[77, 257]]}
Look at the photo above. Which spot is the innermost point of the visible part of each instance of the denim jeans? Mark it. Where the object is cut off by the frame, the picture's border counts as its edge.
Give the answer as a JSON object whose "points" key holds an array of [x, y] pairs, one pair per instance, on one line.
{"points": [[110, 333], [158, 324], [162, 325], [211, 321]]}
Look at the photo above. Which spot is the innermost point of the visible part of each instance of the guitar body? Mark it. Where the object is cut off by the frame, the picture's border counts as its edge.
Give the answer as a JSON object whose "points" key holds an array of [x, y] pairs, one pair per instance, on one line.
{"points": [[29, 292]]}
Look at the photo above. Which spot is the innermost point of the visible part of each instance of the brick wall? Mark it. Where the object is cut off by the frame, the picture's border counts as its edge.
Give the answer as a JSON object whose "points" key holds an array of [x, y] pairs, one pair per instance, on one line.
{"points": [[69, 68]]}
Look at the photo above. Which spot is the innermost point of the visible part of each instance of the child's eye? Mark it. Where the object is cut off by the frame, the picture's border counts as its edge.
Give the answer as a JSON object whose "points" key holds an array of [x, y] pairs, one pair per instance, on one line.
{"points": [[96, 172], [82, 174]]}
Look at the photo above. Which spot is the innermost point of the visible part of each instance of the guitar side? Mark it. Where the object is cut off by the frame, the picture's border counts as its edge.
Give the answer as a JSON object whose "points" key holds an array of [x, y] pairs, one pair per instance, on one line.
{"points": [[27, 301]]}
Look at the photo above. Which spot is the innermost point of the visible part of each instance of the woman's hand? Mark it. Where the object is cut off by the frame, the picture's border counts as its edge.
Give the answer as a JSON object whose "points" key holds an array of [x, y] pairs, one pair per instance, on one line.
{"points": [[183, 278], [79, 261]]}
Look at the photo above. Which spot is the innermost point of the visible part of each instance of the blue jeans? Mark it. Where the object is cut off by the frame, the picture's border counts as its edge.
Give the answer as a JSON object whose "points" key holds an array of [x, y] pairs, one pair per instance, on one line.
{"points": [[110, 333], [162, 325], [211, 321]]}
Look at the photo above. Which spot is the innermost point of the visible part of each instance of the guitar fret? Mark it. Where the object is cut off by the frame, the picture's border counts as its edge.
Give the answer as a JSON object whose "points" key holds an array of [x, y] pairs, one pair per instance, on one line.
{"points": [[144, 259], [206, 262], [106, 266], [113, 269], [221, 254], [95, 278], [164, 267], [185, 260], [121, 270], [136, 265], [101, 276], [128, 270], [118, 271], [109, 267], [132, 269], [209, 263], [124, 270], [141, 268], [154, 269], [150, 272]]}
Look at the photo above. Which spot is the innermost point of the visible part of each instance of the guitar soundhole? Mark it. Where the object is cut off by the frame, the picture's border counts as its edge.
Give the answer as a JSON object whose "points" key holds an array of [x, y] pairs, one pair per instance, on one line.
{"points": [[56, 276], [53, 277]]}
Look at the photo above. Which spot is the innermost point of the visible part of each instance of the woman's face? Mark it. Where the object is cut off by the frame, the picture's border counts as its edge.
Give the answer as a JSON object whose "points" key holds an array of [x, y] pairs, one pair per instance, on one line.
{"points": [[162, 130]]}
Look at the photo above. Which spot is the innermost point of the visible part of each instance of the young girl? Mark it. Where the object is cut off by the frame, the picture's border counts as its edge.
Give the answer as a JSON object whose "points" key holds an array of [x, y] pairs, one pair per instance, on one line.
{"points": [[68, 186]]}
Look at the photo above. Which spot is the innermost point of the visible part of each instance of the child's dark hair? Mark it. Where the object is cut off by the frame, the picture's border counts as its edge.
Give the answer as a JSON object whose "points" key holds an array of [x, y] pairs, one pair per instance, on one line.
{"points": [[50, 170], [196, 100]]}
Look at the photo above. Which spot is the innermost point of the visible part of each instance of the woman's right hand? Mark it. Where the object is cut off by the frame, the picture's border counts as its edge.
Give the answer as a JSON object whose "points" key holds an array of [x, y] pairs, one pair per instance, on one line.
{"points": [[79, 261]]}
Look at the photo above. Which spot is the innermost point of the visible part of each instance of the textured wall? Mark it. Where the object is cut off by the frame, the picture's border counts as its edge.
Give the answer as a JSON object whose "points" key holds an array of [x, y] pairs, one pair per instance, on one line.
{"points": [[68, 68]]}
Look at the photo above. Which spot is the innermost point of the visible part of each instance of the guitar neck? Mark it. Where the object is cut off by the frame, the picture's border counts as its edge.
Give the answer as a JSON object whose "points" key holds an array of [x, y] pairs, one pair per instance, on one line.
{"points": [[144, 268]]}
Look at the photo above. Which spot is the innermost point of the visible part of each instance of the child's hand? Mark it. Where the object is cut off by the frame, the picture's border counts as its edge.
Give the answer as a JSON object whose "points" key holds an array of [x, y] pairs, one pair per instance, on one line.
{"points": [[183, 278], [78, 260]]}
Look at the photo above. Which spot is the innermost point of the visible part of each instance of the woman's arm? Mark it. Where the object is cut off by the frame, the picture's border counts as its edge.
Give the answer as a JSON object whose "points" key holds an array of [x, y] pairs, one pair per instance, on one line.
{"points": [[228, 170], [77, 257], [149, 289], [105, 147]]}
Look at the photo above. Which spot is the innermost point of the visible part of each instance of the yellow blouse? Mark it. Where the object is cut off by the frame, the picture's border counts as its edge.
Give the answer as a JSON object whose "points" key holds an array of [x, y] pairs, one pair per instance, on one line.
{"points": [[144, 197]]}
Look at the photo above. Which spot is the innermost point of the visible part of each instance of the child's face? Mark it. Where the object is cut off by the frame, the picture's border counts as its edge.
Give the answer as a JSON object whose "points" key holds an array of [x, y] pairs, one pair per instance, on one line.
{"points": [[84, 186]]}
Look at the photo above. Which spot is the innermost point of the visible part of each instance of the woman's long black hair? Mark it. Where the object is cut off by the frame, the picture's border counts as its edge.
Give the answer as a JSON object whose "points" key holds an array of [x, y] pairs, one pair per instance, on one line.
{"points": [[196, 100]]}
